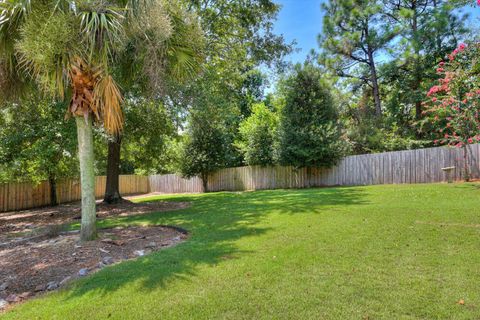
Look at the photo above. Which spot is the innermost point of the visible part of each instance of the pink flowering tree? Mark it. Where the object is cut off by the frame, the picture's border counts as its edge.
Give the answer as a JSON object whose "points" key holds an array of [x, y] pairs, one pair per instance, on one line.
{"points": [[452, 107]]}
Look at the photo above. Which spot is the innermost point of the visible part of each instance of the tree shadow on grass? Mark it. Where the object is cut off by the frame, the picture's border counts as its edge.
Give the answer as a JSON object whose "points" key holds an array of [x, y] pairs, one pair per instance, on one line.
{"points": [[214, 222]]}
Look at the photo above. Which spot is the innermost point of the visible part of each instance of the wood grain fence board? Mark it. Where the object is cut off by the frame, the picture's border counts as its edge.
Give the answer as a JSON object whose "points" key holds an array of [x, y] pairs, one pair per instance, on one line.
{"points": [[474, 163]]}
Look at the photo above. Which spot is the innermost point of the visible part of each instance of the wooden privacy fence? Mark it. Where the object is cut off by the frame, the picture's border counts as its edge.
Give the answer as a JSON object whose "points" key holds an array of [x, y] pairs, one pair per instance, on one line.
{"points": [[17, 196], [172, 183], [411, 166]]}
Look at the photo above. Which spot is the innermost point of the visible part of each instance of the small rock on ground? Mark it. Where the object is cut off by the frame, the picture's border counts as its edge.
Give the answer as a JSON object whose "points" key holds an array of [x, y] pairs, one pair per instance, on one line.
{"points": [[83, 272], [25, 295], [40, 287], [107, 260], [52, 285], [3, 304], [139, 252], [151, 245], [4, 286]]}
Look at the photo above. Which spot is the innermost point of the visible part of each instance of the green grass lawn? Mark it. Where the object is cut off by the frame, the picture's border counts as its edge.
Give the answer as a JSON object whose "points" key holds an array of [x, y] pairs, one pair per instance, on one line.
{"points": [[381, 252]]}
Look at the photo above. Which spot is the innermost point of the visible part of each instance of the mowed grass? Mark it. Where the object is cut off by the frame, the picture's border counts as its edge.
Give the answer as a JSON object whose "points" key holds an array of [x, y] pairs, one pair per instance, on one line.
{"points": [[379, 252]]}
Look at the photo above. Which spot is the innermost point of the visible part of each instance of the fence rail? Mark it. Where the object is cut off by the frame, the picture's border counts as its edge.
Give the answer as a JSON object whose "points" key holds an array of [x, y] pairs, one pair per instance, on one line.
{"points": [[411, 166], [18, 196]]}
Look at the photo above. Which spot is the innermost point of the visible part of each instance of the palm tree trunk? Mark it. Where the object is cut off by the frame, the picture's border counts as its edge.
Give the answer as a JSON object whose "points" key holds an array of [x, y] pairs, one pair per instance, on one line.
{"points": [[112, 187], [88, 229]]}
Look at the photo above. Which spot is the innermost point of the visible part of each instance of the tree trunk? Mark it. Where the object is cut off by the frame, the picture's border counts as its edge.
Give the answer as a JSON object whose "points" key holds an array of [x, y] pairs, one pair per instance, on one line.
{"points": [[112, 188], [376, 89], [88, 229], [53, 191], [466, 172], [204, 177], [309, 177], [416, 63]]}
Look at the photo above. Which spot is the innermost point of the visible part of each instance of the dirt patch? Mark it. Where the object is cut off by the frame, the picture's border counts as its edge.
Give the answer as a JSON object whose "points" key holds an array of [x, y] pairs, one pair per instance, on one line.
{"points": [[18, 222], [34, 267]]}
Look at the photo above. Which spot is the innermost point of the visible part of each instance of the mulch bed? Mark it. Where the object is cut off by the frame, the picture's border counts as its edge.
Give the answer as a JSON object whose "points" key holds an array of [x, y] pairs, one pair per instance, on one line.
{"points": [[26, 220], [37, 256], [34, 267]]}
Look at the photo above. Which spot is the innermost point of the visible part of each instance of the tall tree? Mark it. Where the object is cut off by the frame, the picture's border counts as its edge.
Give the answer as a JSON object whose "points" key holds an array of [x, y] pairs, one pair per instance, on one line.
{"points": [[178, 61], [149, 131], [429, 29], [309, 134], [70, 49], [354, 34]]}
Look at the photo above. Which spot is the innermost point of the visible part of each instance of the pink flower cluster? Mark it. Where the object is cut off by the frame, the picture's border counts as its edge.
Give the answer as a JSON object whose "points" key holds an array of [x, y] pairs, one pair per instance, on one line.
{"points": [[460, 48], [436, 89], [456, 119]]}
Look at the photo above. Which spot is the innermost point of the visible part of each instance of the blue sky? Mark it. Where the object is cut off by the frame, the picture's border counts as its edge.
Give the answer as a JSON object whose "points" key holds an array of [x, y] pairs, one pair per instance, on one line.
{"points": [[301, 20]]}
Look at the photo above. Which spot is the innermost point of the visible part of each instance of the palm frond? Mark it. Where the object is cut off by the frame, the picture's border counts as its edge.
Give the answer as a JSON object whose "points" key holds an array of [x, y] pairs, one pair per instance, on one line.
{"points": [[45, 47], [12, 14], [185, 47], [108, 100], [168, 45], [101, 25]]}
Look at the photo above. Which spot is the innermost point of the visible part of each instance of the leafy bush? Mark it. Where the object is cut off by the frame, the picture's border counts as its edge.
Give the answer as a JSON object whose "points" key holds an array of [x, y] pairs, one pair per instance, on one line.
{"points": [[257, 135]]}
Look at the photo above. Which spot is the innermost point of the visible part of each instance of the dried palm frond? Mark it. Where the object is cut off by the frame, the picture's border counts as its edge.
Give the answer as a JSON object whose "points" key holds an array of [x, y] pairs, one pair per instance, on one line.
{"points": [[108, 100], [95, 92]]}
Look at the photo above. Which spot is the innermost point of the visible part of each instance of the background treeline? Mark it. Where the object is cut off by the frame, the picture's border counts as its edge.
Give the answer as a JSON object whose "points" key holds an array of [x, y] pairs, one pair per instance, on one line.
{"points": [[361, 92]]}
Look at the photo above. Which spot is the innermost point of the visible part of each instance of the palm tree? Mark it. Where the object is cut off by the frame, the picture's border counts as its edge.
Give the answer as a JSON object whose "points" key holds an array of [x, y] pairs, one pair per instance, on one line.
{"points": [[79, 50]]}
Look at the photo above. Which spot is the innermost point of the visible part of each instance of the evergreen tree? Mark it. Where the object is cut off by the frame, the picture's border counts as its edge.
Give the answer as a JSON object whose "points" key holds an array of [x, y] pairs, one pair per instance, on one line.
{"points": [[429, 29], [309, 131], [354, 33]]}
